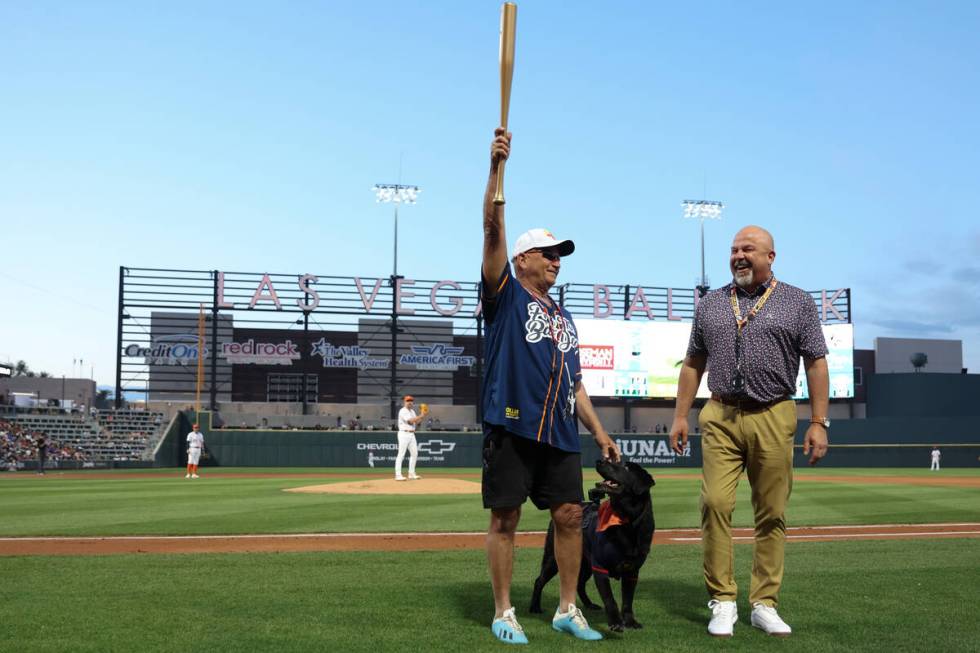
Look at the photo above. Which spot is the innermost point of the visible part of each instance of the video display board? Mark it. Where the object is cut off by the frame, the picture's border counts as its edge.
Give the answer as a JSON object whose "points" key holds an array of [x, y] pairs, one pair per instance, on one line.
{"points": [[643, 359]]}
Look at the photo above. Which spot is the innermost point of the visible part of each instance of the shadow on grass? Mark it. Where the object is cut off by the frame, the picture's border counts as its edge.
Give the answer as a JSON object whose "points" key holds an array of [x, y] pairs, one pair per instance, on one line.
{"points": [[474, 601], [682, 600]]}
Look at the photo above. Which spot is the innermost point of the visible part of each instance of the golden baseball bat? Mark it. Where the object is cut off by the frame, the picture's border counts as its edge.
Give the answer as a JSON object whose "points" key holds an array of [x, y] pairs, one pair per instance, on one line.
{"points": [[508, 29]]}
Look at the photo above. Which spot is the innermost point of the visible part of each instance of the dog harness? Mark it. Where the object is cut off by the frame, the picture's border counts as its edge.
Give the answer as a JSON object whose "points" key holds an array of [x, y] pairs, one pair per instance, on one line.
{"points": [[605, 556]]}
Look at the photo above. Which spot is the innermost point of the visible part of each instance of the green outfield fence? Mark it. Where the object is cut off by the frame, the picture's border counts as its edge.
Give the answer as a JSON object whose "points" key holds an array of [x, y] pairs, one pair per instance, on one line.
{"points": [[377, 449]]}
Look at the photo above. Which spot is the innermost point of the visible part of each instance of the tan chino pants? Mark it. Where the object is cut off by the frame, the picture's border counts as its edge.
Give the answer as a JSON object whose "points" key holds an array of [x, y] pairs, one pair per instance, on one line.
{"points": [[761, 443]]}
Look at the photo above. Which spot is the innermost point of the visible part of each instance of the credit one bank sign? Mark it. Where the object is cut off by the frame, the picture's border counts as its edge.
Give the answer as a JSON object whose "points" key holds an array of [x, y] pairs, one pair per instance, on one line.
{"points": [[447, 298]]}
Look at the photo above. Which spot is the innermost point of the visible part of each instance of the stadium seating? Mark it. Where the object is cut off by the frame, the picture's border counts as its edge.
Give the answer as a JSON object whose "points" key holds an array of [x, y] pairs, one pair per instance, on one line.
{"points": [[117, 435]]}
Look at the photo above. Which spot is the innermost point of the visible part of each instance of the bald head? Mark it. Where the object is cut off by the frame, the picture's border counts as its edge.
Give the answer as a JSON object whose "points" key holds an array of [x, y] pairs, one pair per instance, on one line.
{"points": [[757, 234], [752, 254]]}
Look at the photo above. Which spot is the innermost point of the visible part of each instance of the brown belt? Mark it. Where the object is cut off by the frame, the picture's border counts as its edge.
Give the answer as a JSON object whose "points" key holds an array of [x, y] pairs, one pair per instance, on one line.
{"points": [[744, 403]]}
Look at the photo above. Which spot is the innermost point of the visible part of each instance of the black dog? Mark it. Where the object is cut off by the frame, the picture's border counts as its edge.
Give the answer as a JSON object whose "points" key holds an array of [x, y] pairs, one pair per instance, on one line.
{"points": [[616, 538]]}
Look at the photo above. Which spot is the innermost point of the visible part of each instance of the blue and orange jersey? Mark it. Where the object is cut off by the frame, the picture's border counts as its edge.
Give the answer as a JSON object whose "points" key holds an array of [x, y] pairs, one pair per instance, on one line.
{"points": [[532, 365]]}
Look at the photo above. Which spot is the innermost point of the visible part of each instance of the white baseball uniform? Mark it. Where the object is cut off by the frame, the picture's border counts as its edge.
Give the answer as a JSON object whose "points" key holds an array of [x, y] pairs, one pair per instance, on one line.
{"points": [[406, 440], [195, 443], [935, 460]]}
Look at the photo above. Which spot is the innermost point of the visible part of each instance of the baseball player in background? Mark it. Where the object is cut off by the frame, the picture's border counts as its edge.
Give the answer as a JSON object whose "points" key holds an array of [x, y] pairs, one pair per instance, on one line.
{"points": [[408, 419], [195, 444]]}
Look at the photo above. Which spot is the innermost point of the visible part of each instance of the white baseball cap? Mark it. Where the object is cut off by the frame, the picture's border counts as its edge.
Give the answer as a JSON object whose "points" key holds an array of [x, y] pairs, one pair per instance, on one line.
{"points": [[541, 239]]}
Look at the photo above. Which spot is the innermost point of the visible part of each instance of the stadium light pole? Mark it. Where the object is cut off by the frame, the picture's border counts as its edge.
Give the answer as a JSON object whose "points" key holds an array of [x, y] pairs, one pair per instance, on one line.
{"points": [[396, 194], [702, 209]]}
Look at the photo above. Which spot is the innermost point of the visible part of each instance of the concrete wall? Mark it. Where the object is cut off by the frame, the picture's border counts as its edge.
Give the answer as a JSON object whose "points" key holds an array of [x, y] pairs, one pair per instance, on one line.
{"points": [[892, 355], [924, 395], [81, 391]]}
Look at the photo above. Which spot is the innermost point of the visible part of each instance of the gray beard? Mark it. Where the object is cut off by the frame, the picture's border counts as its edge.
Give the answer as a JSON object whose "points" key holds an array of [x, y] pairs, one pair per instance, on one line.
{"points": [[744, 280]]}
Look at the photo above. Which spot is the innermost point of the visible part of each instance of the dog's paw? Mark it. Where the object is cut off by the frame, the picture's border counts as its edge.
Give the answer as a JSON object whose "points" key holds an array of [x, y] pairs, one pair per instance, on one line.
{"points": [[617, 628], [589, 605], [535, 609], [631, 623]]}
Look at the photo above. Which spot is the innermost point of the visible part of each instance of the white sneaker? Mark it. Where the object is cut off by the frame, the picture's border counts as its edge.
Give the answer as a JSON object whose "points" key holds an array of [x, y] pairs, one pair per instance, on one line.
{"points": [[766, 619], [195, 476], [399, 478], [724, 614], [414, 477], [187, 475]]}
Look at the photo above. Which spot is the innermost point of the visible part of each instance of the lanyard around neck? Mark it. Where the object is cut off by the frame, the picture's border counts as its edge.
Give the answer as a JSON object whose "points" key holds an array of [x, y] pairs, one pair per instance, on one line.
{"points": [[742, 321]]}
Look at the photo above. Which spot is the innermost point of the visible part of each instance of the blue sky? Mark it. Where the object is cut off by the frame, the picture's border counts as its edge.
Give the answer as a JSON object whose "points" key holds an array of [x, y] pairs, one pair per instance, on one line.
{"points": [[248, 135]]}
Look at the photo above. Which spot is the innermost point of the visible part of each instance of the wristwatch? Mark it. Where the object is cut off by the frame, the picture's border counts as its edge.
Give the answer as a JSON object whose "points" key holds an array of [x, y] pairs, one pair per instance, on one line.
{"points": [[823, 421]]}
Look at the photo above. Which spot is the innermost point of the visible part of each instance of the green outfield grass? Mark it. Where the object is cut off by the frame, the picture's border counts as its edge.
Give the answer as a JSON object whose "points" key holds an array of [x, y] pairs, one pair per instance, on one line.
{"points": [[163, 502], [855, 596], [847, 596]]}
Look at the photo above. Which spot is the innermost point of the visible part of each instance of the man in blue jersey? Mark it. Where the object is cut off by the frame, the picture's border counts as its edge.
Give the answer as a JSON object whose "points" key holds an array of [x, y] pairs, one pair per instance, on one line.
{"points": [[532, 395]]}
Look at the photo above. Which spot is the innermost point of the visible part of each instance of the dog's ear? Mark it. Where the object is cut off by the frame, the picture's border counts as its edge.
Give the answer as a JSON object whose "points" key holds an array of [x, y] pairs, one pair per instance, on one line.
{"points": [[642, 475]]}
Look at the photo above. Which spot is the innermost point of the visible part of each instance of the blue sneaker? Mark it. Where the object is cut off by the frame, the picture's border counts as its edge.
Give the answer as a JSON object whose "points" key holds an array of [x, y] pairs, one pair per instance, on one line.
{"points": [[574, 623], [507, 629]]}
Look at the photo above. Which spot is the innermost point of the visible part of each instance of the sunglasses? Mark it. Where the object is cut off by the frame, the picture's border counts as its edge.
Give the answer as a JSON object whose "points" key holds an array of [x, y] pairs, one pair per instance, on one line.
{"points": [[549, 254]]}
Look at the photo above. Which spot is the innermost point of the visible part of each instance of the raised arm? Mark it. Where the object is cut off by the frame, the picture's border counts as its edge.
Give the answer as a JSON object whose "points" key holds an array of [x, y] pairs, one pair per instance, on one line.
{"points": [[494, 238]]}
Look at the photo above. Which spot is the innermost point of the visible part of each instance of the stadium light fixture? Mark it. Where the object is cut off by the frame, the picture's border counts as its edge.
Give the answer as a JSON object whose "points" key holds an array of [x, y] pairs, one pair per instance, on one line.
{"points": [[702, 210], [396, 194]]}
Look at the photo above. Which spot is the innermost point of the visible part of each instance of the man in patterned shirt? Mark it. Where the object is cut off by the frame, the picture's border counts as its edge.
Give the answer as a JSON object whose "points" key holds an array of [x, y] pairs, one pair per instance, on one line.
{"points": [[532, 395], [751, 334]]}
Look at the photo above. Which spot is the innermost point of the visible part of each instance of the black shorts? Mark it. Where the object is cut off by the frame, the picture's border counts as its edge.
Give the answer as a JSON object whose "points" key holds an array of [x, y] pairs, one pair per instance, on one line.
{"points": [[515, 468]]}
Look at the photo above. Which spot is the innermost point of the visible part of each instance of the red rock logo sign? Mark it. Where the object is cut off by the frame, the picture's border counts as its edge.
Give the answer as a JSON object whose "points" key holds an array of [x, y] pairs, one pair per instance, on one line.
{"points": [[596, 357]]}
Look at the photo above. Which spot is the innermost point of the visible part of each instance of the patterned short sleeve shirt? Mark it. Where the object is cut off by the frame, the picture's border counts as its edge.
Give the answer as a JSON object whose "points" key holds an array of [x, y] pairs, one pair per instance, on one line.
{"points": [[785, 329], [532, 365]]}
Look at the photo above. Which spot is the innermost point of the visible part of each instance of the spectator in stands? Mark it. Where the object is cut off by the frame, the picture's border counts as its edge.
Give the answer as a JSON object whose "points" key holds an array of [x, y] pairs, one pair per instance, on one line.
{"points": [[934, 457], [532, 400], [42, 454], [749, 423]]}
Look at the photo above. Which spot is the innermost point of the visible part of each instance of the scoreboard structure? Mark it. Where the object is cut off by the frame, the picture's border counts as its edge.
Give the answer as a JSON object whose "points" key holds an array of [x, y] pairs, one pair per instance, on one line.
{"points": [[309, 338]]}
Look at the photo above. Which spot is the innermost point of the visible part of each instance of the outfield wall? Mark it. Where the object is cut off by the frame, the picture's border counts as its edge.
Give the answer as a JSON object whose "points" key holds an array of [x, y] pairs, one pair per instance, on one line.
{"points": [[854, 444]]}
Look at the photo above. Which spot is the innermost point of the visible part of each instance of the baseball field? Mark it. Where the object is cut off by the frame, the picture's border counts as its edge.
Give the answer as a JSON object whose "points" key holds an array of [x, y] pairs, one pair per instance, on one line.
{"points": [[239, 561]]}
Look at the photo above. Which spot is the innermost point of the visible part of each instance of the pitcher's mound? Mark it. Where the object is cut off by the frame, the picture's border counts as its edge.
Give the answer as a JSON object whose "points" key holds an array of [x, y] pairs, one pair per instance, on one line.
{"points": [[391, 486]]}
